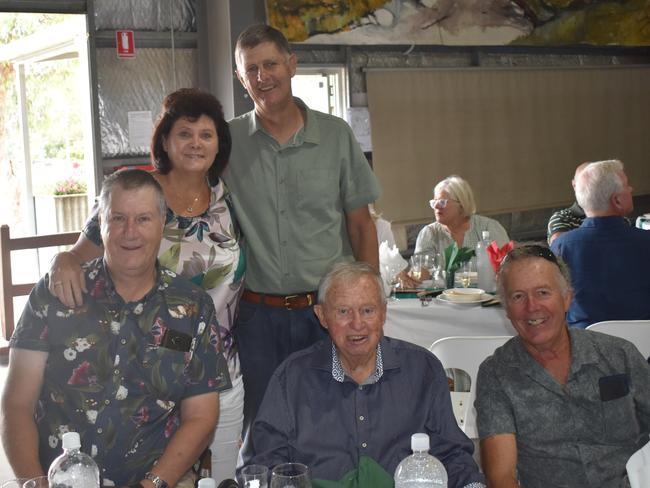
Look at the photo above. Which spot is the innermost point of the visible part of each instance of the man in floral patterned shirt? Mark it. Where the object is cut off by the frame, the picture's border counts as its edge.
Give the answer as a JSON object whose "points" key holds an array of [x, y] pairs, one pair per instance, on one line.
{"points": [[136, 370]]}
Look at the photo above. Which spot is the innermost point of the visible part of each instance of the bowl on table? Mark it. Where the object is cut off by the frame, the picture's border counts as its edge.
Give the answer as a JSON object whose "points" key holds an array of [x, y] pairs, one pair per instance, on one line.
{"points": [[462, 295]]}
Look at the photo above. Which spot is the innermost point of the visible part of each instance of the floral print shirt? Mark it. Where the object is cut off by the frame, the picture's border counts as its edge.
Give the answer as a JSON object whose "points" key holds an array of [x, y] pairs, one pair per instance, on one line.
{"points": [[204, 249], [109, 375]]}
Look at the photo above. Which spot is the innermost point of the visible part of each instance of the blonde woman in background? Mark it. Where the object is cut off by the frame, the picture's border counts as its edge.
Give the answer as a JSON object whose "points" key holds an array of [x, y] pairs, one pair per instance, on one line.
{"points": [[456, 219]]}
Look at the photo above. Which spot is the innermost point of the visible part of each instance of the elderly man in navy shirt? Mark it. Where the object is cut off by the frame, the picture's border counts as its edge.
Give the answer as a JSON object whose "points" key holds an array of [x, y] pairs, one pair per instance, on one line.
{"points": [[358, 394], [608, 259]]}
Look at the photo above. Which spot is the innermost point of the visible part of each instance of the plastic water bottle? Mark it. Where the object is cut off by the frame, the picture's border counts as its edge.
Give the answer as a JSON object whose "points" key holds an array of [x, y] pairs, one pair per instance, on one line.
{"points": [[207, 483], [486, 280], [73, 468], [420, 469]]}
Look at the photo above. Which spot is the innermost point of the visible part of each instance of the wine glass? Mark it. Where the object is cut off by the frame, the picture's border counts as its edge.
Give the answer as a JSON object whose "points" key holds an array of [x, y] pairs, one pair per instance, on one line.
{"points": [[15, 483], [390, 272], [466, 272], [38, 482], [251, 473], [419, 266], [290, 475]]}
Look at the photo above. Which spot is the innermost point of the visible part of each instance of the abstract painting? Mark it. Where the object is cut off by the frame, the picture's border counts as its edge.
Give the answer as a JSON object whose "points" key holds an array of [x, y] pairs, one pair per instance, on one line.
{"points": [[463, 22]]}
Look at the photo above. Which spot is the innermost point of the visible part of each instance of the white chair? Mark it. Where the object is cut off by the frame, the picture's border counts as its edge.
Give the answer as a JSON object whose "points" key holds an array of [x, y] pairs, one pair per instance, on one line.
{"points": [[635, 331], [466, 353]]}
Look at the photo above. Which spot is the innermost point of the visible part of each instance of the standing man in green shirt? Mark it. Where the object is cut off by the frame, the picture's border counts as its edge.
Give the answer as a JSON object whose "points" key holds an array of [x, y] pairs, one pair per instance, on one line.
{"points": [[300, 187]]}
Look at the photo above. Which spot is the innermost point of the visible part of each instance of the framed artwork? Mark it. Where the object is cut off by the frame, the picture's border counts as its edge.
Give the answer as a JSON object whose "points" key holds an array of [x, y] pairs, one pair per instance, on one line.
{"points": [[463, 22]]}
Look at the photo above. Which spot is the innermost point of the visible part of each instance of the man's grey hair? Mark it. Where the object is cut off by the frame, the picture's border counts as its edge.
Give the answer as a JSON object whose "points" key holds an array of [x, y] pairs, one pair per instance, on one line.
{"points": [[257, 34], [130, 179], [596, 184], [524, 253], [349, 273]]}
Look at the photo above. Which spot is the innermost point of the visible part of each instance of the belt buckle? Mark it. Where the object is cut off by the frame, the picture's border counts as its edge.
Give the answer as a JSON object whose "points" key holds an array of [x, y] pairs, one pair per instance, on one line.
{"points": [[287, 304]]}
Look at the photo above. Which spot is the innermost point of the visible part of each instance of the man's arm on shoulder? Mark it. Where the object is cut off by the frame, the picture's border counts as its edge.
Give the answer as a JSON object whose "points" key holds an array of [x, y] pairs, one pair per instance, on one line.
{"points": [[199, 415], [363, 235], [499, 460], [19, 431]]}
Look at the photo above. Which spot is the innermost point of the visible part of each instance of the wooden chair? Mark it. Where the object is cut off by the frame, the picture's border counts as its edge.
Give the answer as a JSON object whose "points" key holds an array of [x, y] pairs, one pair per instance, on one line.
{"points": [[9, 290]]}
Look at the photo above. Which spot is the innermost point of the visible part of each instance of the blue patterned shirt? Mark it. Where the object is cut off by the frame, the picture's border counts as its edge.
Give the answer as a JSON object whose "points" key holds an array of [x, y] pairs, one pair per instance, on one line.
{"points": [[109, 375]]}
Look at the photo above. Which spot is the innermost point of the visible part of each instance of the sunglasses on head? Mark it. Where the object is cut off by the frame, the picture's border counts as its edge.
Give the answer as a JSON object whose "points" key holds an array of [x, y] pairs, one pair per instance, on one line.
{"points": [[531, 250]]}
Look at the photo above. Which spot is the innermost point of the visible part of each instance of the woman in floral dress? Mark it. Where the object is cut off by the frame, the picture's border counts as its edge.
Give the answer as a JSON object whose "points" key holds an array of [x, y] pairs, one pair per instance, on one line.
{"points": [[189, 149]]}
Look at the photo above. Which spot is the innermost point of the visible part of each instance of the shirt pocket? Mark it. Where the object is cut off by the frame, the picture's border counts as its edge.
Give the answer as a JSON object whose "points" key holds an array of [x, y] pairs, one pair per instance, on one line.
{"points": [[318, 189], [619, 419]]}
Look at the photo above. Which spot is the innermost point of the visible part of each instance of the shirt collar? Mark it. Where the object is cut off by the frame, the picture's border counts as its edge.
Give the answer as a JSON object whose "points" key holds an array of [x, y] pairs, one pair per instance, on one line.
{"points": [[308, 133], [610, 221], [338, 373], [163, 276]]}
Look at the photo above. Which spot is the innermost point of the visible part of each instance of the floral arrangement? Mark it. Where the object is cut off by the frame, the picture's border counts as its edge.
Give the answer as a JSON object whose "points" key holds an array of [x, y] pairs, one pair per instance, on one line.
{"points": [[455, 257], [69, 186]]}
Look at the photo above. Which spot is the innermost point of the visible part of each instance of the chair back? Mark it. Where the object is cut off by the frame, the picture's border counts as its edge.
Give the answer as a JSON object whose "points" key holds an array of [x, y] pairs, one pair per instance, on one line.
{"points": [[466, 353], [9, 290], [635, 331]]}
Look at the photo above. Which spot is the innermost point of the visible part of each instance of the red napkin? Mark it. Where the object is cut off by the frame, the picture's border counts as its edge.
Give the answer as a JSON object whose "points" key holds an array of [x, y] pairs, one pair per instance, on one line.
{"points": [[496, 255]]}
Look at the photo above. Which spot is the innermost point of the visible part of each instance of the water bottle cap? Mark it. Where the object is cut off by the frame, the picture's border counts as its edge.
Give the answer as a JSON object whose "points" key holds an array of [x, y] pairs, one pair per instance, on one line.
{"points": [[207, 483], [420, 442], [486, 235], [71, 440]]}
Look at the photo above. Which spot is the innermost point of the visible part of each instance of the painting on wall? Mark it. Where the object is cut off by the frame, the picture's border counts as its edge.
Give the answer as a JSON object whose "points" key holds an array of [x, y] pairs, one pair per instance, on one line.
{"points": [[463, 22]]}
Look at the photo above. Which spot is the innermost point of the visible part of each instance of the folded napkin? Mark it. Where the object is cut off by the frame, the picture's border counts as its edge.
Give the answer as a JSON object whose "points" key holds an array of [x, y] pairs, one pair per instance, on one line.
{"points": [[638, 468], [369, 474], [497, 254]]}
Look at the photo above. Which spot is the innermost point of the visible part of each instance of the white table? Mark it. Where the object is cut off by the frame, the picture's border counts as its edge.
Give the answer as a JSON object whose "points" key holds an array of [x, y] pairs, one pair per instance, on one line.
{"points": [[408, 320]]}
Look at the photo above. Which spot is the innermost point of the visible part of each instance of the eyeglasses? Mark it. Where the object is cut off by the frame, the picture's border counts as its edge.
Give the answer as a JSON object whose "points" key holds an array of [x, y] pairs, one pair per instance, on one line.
{"points": [[531, 250], [441, 202]]}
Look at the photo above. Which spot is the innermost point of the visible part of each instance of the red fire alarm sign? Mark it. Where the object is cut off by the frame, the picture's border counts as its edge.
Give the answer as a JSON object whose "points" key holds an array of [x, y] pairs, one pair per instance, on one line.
{"points": [[125, 45]]}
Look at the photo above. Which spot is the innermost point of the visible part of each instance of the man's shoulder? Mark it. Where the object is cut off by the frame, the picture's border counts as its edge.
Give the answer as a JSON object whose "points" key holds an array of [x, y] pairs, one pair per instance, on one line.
{"points": [[503, 358], [606, 344], [241, 122]]}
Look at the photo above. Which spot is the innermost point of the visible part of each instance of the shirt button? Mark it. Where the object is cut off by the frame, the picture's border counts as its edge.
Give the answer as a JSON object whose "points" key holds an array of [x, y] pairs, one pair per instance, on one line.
{"points": [[107, 401], [100, 430], [360, 387], [116, 372], [123, 341], [362, 418], [363, 444]]}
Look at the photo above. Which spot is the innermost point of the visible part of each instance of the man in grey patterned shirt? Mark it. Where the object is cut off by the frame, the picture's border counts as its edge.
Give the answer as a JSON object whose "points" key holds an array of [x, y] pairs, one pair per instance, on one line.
{"points": [[557, 407]]}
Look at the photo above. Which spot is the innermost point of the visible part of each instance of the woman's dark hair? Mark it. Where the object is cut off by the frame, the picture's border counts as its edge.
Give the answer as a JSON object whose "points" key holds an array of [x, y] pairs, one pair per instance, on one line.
{"points": [[190, 103]]}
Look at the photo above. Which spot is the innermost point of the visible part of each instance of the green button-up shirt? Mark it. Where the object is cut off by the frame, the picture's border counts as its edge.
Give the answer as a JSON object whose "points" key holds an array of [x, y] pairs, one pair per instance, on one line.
{"points": [[291, 199]]}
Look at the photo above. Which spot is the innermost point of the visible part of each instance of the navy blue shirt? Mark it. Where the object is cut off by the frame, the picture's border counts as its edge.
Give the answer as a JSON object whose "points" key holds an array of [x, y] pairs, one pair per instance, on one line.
{"points": [[610, 270], [309, 416]]}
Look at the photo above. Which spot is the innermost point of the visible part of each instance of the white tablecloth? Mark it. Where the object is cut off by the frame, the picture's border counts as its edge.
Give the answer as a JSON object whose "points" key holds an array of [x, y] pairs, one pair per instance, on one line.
{"points": [[408, 320]]}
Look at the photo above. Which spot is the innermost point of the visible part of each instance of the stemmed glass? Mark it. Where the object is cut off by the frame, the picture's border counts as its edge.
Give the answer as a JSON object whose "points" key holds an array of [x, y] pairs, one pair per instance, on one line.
{"points": [[290, 475], [253, 476], [466, 272], [38, 482], [391, 275]]}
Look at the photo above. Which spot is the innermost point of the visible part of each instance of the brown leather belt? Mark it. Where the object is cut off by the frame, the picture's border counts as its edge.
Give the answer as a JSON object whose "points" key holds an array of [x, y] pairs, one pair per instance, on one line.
{"points": [[290, 302]]}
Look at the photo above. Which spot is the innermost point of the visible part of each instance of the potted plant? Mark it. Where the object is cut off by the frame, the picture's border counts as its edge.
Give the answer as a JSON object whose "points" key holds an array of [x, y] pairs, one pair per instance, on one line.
{"points": [[70, 203]]}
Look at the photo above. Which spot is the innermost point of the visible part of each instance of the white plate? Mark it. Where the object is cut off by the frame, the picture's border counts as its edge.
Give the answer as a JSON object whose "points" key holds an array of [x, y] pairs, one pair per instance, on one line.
{"points": [[484, 298]]}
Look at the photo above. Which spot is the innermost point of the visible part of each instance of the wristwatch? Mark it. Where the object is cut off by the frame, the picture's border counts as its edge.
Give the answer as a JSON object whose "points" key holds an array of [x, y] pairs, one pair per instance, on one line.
{"points": [[157, 481]]}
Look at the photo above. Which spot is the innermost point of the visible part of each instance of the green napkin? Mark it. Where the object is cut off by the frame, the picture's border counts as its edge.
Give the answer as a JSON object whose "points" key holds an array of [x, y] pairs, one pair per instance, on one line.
{"points": [[369, 474]]}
